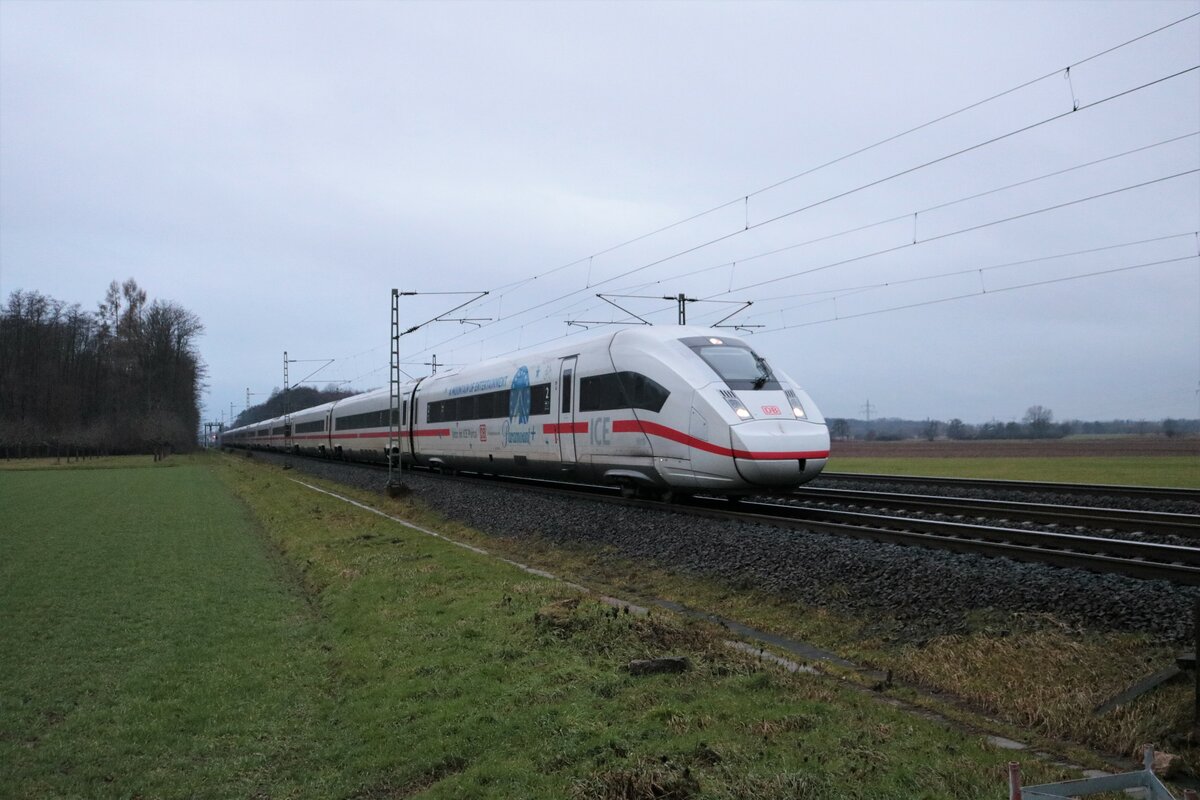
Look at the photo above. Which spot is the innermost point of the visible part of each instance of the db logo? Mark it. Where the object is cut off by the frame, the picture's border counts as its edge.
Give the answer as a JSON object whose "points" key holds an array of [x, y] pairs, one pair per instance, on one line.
{"points": [[483, 433], [771, 411]]}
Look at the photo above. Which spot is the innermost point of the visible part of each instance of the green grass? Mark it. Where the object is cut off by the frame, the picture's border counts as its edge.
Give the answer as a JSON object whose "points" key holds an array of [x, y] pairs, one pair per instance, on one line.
{"points": [[1178, 471], [151, 645], [1036, 680], [215, 630], [94, 462]]}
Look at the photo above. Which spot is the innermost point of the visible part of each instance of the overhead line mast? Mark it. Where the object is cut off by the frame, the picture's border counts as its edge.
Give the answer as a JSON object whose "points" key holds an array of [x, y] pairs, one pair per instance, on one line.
{"points": [[395, 485]]}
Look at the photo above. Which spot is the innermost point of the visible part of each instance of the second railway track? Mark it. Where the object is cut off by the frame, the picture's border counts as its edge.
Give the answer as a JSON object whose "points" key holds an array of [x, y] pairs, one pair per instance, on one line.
{"points": [[1117, 519], [1147, 560], [1140, 493]]}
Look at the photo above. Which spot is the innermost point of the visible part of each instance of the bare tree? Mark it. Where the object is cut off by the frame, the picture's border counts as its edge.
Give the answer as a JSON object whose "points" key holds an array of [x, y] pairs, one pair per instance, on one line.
{"points": [[121, 379], [1038, 420]]}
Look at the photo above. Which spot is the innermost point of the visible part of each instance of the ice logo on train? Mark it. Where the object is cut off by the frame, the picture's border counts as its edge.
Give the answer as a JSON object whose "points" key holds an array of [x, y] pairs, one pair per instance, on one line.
{"points": [[519, 403]]}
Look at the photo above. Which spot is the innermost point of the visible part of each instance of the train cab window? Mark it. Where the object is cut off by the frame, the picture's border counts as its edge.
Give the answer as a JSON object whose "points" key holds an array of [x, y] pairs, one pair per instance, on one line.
{"points": [[621, 390], [735, 363]]}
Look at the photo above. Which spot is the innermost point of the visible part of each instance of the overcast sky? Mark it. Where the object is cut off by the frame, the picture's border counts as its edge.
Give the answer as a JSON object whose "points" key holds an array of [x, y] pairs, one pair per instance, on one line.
{"points": [[278, 168]]}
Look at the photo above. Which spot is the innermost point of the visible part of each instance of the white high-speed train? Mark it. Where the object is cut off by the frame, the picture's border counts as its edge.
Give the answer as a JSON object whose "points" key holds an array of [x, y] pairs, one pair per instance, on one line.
{"points": [[655, 410]]}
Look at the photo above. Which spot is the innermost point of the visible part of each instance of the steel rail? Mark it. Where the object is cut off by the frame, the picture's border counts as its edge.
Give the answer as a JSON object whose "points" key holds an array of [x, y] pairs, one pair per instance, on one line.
{"points": [[1118, 519], [1092, 489], [1136, 559]]}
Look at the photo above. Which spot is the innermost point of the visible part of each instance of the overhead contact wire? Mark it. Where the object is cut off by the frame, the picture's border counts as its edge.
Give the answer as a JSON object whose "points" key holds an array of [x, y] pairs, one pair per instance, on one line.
{"points": [[744, 198]]}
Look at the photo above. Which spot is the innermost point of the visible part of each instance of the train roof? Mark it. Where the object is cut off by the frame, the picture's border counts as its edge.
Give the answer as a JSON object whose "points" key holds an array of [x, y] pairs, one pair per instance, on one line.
{"points": [[566, 345], [569, 345]]}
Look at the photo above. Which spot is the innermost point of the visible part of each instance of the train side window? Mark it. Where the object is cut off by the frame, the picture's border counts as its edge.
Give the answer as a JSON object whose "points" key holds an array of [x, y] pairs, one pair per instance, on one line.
{"points": [[643, 392], [499, 405], [621, 390], [567, 380], [601, 393], [539, 399]]}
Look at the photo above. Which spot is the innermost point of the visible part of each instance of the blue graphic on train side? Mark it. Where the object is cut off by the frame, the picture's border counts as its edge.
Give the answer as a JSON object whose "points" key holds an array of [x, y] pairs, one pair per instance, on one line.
{"points": [[518, 397]]}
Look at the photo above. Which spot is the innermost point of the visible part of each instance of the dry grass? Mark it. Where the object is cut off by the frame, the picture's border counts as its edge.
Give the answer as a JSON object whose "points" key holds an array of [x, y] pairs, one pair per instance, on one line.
{"points": [[600, 628], [645, 780], [1049, 681]]}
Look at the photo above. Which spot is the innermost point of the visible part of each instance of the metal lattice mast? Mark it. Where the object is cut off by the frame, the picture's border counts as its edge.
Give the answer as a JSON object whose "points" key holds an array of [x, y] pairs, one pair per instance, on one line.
{"points": [[287, 407], [393, 451], [395, 487]]}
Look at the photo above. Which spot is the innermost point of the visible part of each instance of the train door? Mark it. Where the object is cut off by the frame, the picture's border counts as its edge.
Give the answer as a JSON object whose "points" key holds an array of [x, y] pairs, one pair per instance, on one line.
{"points": [[566, 410], [410, 408]]}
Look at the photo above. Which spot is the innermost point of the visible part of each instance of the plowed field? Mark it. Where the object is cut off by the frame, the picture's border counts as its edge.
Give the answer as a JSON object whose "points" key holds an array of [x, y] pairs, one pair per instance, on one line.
{"points": [[1021, 448]]}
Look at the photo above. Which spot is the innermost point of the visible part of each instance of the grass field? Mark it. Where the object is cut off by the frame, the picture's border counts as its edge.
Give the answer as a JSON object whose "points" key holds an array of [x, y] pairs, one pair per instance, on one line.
{"points": [[1177, 471], [152, 646], [1128, 460], [97, 462], [216, 630]]}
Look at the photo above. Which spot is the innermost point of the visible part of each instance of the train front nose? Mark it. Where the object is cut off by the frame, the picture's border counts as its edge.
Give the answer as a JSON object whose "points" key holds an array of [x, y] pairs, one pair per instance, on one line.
{"points": [[779, 453]]}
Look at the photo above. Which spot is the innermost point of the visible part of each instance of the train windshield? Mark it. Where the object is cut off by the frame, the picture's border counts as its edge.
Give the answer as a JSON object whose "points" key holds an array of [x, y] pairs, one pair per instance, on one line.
{"points": [[737, 365]]}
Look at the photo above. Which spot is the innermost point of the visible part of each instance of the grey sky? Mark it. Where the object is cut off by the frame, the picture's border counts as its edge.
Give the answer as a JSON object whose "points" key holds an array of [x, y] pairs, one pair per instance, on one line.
{"points": [[277, 168]]}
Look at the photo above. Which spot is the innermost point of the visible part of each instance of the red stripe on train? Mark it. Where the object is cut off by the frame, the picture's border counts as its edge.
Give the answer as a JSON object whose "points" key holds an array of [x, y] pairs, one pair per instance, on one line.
{"points": [[565, 427], [663, 432], [385, 434]]}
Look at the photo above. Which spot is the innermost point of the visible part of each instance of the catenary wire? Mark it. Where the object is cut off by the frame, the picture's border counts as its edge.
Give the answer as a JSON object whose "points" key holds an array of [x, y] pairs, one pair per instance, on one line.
{"points": [[824, 165], [901, 217], [793, 212], [982, 292]]}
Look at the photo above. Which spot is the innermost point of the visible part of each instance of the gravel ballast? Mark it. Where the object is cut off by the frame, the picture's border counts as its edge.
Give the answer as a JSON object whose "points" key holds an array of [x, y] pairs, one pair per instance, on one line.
{"points": [[913, 593]]}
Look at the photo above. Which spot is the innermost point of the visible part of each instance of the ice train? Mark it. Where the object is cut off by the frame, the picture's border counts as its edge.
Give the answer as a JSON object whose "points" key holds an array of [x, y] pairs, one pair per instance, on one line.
{"points": [[655, 410]]}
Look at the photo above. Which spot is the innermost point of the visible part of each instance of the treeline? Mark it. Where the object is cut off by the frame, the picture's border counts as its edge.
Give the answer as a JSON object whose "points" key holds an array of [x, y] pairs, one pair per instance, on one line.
{"points": [[125, 378], [297, 398], [1038, 423]]}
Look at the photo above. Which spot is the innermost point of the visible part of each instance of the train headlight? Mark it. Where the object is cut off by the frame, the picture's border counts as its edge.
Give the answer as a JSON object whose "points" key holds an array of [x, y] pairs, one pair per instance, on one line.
{"points": [[797, 406], [737, 405]]}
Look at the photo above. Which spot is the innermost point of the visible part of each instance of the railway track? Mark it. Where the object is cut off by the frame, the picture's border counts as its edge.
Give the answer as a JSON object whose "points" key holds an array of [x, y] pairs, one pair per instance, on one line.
{"points": [[1082, 489], [1145, 560], [1093, 518]]}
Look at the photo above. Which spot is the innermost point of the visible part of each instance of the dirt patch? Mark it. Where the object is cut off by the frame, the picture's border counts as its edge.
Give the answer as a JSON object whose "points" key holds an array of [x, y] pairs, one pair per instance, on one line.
{"points": [[1020, 448]]}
